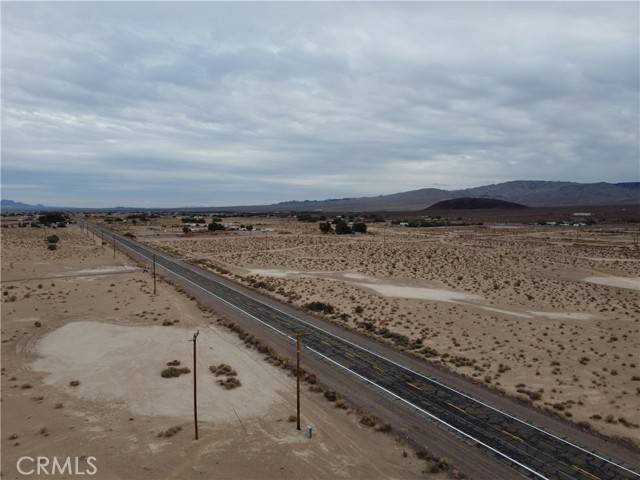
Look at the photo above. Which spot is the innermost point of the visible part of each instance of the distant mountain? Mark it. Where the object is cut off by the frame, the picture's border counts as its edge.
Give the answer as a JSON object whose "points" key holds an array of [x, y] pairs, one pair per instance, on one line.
{"points": [[529, 193], [471, 203], [10, 205]]}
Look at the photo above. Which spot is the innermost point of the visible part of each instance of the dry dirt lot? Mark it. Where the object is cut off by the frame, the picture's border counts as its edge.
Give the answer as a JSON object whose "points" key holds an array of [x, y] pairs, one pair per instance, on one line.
{"points": [[84, 342], [548, 314]]}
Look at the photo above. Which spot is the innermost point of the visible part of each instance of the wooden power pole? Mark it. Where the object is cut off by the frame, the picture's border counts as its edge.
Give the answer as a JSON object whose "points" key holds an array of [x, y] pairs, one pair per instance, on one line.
{"points": [[195, 385], [298, 335], [154, 273], [114, 248]]}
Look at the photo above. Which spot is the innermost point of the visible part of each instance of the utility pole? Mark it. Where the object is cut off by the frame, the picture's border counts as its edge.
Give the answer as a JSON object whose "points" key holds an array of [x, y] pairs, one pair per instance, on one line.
{"points": [[154, 273], [298, 335], [114, 248], [195, 385], [101, 238], [384, 245]]}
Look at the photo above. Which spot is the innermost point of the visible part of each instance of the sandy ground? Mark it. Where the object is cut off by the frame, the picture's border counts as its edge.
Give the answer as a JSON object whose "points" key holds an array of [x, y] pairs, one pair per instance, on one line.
{"points": [[547, 314], [77, 315]]}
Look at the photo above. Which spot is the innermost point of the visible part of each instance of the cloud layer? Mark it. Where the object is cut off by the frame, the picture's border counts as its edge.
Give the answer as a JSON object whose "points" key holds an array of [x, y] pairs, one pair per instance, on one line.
{"points": [[164, 104]]}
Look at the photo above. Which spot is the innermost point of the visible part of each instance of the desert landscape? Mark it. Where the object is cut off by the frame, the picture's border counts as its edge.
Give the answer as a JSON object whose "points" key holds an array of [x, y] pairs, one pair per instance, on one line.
{"points": [[95, 365], [320, 240], [549, 314]]}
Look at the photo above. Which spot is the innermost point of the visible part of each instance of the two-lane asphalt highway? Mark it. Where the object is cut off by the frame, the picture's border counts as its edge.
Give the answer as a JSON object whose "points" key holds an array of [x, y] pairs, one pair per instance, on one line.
{"points": [[528, 448]]}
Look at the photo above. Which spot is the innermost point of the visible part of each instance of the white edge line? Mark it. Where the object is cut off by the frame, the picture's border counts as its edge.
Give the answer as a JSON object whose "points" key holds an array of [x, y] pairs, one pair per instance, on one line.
{"points": [[430, 415], [368, 351]]}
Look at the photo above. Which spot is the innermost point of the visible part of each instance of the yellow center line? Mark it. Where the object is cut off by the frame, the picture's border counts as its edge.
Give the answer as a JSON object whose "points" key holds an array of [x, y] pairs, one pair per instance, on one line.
{"points": [[378, 368], [457, 407], [588, 474], [512, 435], [414, 386]]}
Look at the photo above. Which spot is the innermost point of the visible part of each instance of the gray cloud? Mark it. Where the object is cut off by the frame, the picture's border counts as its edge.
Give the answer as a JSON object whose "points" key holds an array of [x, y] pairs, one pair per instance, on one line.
{"points": [[222, 103]]}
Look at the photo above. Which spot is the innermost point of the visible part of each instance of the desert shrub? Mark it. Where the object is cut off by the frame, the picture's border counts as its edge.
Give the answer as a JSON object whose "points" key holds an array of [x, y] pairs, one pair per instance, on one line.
{"points": [[186, 230], [129, 235], [37, 324], [229, 383], [384, 428], [368, 421], [330, 395], [173, 363], [173, 372], [74, 383], [341, 403], [52, 246], [169, 432], [223, 369], [320, 307], [53, 239]]}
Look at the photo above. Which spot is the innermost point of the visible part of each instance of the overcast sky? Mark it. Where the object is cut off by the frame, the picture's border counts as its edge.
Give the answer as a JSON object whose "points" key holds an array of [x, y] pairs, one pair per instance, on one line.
{"points": [[219, 104]]}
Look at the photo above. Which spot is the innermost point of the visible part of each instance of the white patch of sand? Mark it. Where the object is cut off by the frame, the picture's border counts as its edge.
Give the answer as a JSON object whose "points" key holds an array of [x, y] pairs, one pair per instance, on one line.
{"points": [[103, 270], [420, 293], [122, 364], [601, 259], [564, 316], [632, 283], [507, 312], [272, 272], [356, 276]]}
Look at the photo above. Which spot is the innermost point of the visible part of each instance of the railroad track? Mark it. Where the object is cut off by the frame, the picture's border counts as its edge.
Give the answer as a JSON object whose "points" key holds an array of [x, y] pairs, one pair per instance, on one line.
{"points": [[533, 451]]}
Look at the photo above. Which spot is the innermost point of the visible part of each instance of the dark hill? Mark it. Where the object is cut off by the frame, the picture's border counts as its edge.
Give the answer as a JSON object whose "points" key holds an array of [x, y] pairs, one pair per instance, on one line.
{"points": [[472, 203]]}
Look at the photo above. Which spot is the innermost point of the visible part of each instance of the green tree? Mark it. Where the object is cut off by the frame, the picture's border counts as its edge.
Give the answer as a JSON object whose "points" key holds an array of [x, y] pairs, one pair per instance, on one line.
{"points": [[325, 227], [214, 226], [342, 228], [51, 217], [360, 227]]}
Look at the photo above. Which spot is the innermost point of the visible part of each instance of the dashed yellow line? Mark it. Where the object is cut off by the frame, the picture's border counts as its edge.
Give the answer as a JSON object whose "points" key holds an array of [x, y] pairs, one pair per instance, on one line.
{"points": [[378, 368], [513, 436], [349, 354], [414, 386], [588, 474], [457, 407]]}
